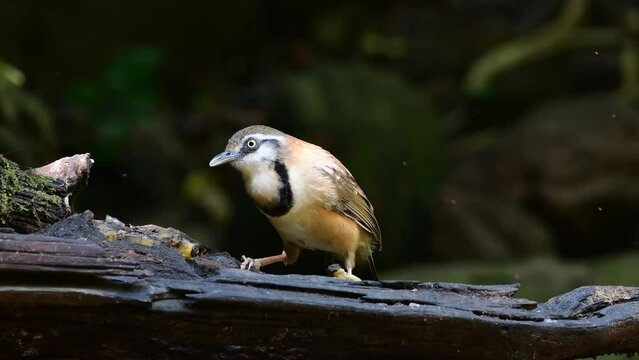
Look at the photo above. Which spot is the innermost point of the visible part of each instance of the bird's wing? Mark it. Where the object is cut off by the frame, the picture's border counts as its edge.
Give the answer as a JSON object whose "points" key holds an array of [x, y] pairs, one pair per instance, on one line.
{"points": [[351, 200]]}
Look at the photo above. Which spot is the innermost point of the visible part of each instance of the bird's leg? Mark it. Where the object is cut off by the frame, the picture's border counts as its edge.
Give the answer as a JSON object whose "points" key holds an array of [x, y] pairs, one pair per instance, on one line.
{"points": [[248, 263], [349, 262]]}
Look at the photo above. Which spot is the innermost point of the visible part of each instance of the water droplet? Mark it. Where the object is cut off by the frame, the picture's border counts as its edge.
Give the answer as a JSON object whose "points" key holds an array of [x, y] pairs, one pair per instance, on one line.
{"points": [[596, 52]]}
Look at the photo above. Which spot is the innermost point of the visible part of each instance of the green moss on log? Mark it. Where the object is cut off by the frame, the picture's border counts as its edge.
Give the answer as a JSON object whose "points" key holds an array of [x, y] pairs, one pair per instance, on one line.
{"points": [[29, 201]]}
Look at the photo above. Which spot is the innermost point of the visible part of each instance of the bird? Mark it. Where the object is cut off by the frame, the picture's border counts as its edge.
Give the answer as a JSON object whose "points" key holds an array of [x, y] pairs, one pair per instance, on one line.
{"points": [[311, 199]]}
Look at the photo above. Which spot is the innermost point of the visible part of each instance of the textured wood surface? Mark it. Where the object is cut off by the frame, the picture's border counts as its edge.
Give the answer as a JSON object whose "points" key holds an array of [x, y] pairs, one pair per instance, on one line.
{"points": [[68, 297]]}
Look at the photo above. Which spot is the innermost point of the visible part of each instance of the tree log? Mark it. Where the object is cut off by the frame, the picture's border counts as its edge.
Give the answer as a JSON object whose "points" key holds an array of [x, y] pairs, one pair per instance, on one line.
{"points": [[33, 199], [87, 288]]}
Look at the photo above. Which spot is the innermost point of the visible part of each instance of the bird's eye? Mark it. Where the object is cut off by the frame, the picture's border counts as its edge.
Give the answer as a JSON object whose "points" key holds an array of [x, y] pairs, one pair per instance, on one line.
{"points": [[251, 144]]}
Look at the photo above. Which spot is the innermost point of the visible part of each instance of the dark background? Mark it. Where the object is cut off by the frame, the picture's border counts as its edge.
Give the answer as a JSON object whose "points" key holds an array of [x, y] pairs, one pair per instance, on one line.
{"points": [[497, 139]]}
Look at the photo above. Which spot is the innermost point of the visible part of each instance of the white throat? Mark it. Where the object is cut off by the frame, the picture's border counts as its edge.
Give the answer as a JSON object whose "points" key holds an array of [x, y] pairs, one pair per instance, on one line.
{"points": [[261, 180], [262, 183]]}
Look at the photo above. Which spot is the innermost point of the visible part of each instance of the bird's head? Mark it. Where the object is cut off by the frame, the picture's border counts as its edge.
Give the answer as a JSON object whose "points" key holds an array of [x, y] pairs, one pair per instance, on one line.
{"points": [[252, 148]]}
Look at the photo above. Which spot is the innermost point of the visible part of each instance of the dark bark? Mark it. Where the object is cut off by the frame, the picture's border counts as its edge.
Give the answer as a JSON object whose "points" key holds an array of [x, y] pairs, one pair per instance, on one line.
{"points": [[135, 296]]}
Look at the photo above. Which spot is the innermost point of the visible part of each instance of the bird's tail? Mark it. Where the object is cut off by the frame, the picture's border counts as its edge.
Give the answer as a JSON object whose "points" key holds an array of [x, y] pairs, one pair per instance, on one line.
{"points": [[371, 266]]}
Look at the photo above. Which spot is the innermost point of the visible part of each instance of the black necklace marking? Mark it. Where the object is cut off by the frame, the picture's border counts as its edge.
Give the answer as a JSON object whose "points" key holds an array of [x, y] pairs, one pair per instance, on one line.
{"points": [[285, 202]]}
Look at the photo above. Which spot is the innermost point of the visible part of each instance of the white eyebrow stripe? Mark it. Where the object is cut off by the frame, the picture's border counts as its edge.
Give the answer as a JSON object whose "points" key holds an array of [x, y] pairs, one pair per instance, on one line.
{"points": [[263, 137]]}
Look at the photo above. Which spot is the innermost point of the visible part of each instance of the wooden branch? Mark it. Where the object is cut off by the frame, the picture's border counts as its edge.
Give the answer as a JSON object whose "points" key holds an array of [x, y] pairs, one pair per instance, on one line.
{"points": [[129, 292], [33, 199], [72, 170]]}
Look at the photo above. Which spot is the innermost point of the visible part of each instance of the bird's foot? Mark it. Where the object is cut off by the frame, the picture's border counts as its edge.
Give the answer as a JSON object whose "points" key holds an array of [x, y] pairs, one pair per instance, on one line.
{"points": [[337, 272], [250, 263]]}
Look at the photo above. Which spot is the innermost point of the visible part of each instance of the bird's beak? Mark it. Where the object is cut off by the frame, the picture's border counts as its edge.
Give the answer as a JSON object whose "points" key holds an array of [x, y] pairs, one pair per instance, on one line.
{"points": [[223, 158]]}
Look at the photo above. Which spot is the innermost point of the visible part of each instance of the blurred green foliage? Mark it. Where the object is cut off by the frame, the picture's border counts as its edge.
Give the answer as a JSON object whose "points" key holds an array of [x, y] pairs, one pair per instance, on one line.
{"points": [[617, 357], [26, 128], [120, 101]]}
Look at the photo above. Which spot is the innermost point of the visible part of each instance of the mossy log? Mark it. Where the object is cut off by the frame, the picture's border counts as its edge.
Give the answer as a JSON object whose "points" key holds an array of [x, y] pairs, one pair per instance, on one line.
{"points": [[33, 199], [84, 288]]}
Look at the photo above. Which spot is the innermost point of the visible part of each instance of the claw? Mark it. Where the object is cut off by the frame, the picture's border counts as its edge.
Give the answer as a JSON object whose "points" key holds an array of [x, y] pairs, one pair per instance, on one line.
{"points": [[337, 272], [249, 263]]}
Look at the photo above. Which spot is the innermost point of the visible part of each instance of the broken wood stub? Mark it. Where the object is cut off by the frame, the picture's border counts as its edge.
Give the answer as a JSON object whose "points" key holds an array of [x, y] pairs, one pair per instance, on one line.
{"points": [[33, 199]]}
